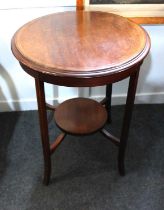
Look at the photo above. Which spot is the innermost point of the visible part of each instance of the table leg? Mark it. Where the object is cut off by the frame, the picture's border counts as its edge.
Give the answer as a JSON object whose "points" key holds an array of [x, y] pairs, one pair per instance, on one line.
{"points": [[43, 129], [126, 120], [108, 101]]}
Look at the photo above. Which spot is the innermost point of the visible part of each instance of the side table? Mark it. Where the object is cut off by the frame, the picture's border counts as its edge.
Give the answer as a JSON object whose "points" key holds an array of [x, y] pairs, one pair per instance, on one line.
{"points": [[81, 49]]}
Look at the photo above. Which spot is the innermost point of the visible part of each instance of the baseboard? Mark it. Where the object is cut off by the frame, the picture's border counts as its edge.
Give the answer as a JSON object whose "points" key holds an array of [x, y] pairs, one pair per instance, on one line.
{"points": [[31, 104], [141, 98], [22, 105]]}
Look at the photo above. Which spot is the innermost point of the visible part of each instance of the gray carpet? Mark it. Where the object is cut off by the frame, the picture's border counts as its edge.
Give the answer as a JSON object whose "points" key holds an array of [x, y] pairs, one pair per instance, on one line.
{"points": [[84, 169]]}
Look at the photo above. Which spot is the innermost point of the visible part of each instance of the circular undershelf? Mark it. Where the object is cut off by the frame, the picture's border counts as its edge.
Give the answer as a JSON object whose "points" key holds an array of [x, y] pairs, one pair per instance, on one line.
{"points": [[80, 116]]}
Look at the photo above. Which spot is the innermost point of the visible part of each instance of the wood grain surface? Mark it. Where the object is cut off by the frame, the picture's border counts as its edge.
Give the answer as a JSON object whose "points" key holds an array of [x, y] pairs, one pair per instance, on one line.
{"points": [[80, 44], [80, 116]]}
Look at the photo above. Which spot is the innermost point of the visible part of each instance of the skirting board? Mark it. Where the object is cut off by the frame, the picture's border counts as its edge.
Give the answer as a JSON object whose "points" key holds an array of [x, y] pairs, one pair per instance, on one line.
{"points": [[31, 104]]}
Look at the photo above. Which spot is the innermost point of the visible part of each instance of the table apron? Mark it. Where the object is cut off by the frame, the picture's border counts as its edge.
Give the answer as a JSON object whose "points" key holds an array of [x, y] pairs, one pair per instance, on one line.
{"points": [[82, 81]]}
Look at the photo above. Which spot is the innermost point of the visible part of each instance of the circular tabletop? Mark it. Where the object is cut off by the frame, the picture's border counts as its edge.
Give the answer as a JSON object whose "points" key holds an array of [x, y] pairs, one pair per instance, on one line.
{"points": [[80, 44]]}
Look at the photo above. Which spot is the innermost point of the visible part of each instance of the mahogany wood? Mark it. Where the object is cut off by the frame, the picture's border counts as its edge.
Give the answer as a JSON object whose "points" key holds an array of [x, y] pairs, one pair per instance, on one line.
{"points": [[111, 137], [83, 81], [57, 142], [77, 49], [79, 4], [108, 101], [126, 121], [80, 116], [43, 130], [50, 107], [85, 49]]}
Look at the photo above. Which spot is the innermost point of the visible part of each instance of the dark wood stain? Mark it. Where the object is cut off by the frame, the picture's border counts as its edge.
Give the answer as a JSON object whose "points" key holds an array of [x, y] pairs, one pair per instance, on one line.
{"points": [[80, 44], [81, 49], [80, 116]]}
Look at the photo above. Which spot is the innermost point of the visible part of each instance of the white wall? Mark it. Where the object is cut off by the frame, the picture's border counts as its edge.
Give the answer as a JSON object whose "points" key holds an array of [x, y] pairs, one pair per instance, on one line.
{"points": [[17, 90]]}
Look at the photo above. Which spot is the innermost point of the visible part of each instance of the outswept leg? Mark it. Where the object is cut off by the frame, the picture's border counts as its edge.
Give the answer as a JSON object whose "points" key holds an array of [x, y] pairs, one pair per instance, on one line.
{"points": [[126, 120], [44, 130]]}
